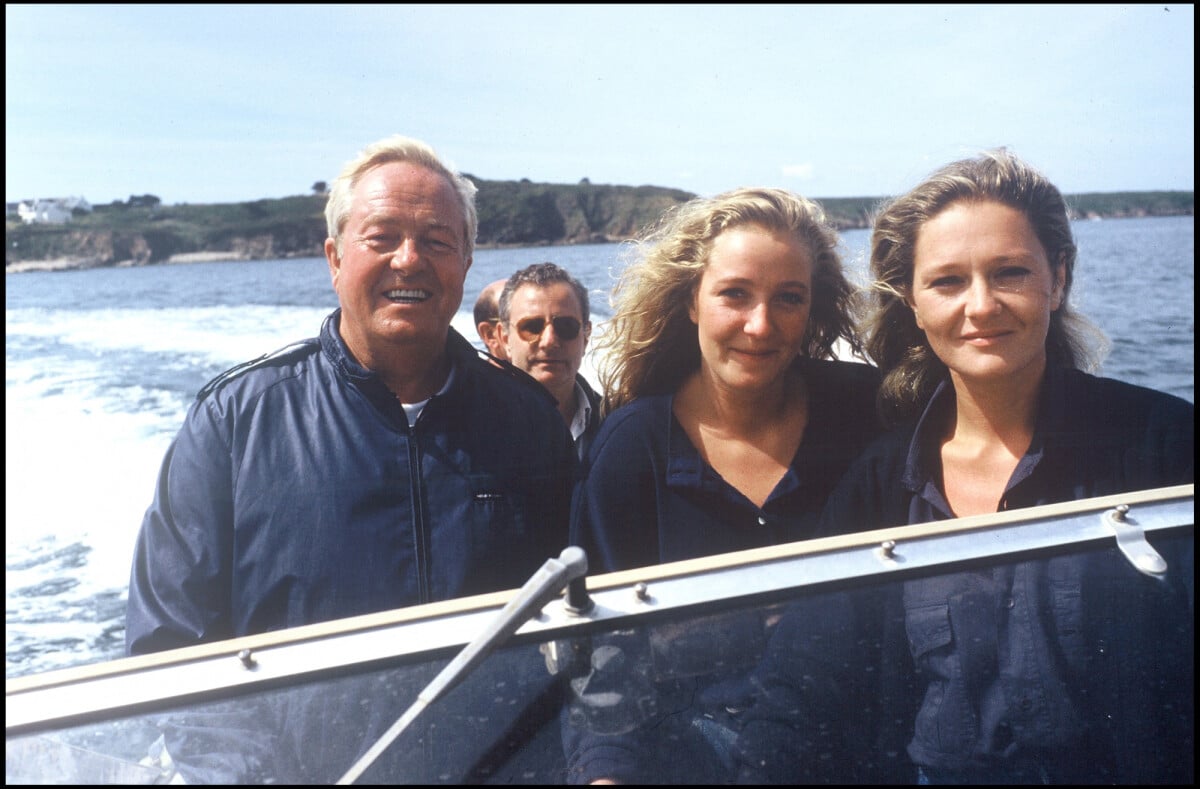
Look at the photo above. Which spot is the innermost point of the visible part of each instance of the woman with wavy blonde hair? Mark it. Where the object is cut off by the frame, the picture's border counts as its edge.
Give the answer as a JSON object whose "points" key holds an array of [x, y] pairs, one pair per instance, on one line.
{"points": [[728, 419], [651, 343]]}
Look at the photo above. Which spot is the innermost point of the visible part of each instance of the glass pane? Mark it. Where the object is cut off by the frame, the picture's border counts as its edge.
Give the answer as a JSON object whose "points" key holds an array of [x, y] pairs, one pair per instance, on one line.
{"points": [[1069, 665]]}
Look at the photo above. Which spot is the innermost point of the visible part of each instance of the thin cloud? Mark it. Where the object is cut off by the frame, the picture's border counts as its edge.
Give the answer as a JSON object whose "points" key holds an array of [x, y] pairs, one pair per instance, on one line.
{"points": [[802, 171], [194, 127]]}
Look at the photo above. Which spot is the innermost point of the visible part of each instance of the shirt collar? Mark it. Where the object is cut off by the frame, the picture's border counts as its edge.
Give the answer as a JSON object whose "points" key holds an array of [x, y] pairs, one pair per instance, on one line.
{"points": [[923, 464], [583, 412]]}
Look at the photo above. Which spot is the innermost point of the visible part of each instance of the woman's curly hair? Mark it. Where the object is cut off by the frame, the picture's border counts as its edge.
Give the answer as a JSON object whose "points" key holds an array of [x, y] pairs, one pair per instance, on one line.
{"points": [[650, 345]]}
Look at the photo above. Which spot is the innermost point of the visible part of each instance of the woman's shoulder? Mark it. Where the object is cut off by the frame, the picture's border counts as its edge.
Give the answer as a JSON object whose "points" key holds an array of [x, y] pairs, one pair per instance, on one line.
{"points": [[1109, 398], [875, 486], [891, 447], [636, 420], [1137, 436], [641, 408]]}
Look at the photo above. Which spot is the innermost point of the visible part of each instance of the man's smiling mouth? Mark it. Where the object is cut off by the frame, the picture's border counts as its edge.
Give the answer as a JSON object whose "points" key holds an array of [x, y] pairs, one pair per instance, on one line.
{"points": [[407, 295]]}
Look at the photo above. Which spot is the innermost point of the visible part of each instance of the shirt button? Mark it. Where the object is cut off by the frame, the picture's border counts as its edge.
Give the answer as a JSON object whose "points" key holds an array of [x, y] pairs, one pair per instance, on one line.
{"points": [[1009, 602], [762, 521]]}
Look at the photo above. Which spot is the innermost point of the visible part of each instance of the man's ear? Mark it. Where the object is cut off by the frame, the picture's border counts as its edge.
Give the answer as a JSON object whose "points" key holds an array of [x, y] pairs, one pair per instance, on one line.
{"points": [[334, 260]]}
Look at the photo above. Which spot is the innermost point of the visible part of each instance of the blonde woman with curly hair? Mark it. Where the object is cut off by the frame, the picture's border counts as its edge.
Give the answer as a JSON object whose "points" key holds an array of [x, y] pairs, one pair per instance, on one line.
{"points": [[728, 417]]}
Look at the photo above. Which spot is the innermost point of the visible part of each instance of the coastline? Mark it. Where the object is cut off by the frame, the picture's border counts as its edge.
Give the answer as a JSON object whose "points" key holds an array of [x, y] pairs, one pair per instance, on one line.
{"points": [[78, 264], [222, 256]]}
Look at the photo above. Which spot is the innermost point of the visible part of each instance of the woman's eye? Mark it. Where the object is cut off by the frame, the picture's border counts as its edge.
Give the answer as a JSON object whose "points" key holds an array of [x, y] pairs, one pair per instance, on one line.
{"points": [[1012, 273], [793, 299], [945, 282], [732, 293], [1013, 278]]}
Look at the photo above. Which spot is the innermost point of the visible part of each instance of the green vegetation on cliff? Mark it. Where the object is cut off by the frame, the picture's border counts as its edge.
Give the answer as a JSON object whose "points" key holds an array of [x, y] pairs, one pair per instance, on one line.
{"points": [[527, 213], [142, 230]]}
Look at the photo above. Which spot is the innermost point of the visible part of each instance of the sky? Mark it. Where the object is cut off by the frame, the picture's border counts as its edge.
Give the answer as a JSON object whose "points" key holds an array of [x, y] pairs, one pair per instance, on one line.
{"points": [[230, 103]]}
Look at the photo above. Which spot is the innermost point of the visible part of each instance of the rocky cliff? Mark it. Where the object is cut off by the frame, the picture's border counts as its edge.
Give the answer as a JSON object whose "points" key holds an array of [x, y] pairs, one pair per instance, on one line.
{"points": [[518, 213]]}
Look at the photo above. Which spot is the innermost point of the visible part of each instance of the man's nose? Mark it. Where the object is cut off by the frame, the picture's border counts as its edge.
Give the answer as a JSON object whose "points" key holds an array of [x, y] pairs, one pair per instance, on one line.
{"points": [[406, 253]]}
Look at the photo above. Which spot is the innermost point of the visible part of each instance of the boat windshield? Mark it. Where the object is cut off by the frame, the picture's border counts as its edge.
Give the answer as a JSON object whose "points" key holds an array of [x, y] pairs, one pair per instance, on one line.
{"points": [[812, 662]]}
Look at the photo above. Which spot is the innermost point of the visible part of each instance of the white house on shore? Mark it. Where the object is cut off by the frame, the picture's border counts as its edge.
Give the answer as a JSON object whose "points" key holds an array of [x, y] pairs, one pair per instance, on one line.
{"points": [[51, 211]]}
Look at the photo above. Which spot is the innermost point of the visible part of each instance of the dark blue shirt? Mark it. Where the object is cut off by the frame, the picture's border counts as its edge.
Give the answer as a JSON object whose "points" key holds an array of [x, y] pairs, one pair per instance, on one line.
{"points": [[1016, 664], [648, 497]]}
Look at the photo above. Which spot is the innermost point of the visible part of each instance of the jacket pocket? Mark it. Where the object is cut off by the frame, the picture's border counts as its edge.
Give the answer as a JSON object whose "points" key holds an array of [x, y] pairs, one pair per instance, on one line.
{"points": [[497, 507], [944, 723], [928, 629]]}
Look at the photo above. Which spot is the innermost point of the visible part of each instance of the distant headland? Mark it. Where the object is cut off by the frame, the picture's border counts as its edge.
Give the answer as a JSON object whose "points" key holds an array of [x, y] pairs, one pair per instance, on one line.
{"points": [[142, 231]]}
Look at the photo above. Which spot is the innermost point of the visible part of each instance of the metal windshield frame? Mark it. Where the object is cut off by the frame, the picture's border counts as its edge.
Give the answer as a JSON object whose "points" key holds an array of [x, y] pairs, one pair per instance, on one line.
{"points": [[143, 684]]}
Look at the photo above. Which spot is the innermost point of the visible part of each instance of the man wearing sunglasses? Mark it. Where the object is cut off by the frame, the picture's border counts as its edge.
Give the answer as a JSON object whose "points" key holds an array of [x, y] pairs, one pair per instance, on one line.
{"points": [[544, 327]]}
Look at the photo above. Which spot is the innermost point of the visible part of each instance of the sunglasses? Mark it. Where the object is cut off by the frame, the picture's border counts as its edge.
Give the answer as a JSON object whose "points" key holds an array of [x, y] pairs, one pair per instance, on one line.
{"points": [[566, 327]]}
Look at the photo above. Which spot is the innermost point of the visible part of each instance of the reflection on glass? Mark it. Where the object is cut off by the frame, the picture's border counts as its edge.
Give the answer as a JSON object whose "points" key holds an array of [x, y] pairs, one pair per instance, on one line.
{"points": [[922, 676]]}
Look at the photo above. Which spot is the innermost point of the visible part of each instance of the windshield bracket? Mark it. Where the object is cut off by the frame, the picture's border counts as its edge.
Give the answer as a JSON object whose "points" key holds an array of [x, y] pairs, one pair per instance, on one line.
{"points": [[1131, 539]]}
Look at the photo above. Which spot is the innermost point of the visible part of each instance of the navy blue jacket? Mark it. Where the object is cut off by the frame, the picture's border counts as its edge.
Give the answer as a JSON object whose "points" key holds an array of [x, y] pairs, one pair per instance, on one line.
{"points": [[648, 497], [1073, 668], [296, 492]]}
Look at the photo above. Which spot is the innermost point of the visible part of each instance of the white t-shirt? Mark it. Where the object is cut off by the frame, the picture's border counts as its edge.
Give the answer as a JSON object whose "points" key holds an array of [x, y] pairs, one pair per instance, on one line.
{"points": [[413, 410]]}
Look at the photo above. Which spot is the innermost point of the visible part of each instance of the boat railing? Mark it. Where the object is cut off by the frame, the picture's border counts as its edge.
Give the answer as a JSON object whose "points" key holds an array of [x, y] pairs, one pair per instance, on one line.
{"points": [[359, 663]]}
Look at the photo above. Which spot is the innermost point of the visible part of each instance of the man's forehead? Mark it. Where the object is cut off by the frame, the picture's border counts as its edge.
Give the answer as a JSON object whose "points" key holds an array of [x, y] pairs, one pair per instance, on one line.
{"points": [[532, 294], [403, 184]]}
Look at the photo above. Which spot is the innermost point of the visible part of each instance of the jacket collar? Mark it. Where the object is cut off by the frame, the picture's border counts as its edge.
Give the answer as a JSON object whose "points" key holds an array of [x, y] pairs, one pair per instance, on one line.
{"points": [[458, 349]]}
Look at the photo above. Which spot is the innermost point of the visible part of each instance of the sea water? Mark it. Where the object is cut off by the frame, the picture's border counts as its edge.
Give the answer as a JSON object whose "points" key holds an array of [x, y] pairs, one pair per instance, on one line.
{"points": [[102, 364]]}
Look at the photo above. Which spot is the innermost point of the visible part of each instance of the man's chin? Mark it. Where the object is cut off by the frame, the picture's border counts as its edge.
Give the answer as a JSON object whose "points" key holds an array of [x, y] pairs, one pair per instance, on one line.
{"points": [[410, 328], [552, 379]]}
